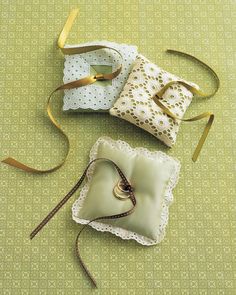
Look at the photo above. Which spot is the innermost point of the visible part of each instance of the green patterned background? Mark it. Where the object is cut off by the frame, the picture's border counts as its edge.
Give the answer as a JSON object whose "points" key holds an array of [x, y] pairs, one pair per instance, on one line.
{"points": [[198, 255]]}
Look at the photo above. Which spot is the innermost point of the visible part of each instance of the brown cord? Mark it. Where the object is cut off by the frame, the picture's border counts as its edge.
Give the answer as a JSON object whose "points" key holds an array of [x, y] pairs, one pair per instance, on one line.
{"points": [[128, 188]]}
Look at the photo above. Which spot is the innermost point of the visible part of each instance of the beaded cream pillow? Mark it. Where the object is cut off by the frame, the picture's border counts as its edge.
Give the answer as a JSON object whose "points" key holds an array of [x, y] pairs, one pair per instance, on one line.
{"points": [[136, 105]]}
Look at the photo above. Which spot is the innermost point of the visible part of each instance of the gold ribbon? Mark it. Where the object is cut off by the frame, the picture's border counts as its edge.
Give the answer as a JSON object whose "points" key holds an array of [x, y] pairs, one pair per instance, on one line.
{"points": [[92, 79], [75, 84], [157, 99]]}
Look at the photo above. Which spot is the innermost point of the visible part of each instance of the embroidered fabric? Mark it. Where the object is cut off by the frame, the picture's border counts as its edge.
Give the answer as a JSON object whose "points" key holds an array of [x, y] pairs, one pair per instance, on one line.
{"points": [[168, 196], [136, 105], [96, 97]]}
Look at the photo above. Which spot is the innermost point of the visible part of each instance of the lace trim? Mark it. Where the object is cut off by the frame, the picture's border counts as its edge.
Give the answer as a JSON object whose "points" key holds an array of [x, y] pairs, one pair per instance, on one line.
{"points": [[168, 196]]}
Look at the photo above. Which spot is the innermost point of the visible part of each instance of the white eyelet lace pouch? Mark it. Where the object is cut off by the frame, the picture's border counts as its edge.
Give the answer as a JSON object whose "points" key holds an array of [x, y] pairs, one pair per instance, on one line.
{"points": [[98, 96]]}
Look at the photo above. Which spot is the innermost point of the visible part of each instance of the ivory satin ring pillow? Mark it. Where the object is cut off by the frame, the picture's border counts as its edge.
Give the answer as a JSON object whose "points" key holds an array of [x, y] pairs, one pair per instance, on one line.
{"points": [[128, 193], [156, 101], [153, 175]]}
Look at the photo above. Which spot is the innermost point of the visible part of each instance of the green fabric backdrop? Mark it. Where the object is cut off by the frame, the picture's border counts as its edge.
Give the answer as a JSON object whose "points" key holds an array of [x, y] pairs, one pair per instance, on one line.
{"points": [[198, 255]]}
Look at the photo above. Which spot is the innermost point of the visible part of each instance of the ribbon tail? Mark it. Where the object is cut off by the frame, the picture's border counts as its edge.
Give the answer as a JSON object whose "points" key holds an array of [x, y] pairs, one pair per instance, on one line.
{"points": [[74, 84], [121, 215], [200, 144], [194, 90], [58, 206], [203, 138], [15, 163], [83, 265], [67, 27], [69, 195]]}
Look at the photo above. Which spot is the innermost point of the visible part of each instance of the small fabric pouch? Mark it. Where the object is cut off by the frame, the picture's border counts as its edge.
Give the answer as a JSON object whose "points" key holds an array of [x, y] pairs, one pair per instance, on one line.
{"points": [[133, 203], [156, 101]]}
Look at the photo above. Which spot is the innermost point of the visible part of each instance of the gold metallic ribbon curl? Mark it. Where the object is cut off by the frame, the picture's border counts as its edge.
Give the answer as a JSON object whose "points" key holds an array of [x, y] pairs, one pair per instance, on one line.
{"points": [[157, 99], [75, 84]]}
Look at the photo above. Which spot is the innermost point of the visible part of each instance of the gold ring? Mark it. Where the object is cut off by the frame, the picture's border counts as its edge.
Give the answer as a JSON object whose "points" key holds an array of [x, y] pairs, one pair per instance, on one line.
{"points": [[119, 191]]}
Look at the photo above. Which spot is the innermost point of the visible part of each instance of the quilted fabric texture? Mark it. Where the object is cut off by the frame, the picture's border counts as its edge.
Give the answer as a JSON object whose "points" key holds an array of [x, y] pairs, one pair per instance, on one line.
{"points": [[153, 176], [198, 254], [98, 96], [136, 105]]}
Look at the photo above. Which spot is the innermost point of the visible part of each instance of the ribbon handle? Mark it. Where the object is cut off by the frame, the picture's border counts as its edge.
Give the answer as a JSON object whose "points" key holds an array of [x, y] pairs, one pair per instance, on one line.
{"points": [[129, 190], [157, 99], [74, 84]]}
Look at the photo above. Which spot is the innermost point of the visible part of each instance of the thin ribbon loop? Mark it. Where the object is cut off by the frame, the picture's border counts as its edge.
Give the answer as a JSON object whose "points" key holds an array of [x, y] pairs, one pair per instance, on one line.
{"points": [[157, 99], [71, 85], [196, 118], [83, 49], [194, 90], [69, 195]]}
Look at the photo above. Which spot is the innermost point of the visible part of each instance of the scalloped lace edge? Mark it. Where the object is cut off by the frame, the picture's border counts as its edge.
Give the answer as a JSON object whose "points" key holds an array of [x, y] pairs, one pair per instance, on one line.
{"points": [[168, 196]]}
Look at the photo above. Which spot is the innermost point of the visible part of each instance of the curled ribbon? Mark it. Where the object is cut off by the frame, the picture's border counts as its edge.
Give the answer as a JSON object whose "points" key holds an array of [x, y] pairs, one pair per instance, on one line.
{"points": [[131, 196], [75, 84], [157, 99]]}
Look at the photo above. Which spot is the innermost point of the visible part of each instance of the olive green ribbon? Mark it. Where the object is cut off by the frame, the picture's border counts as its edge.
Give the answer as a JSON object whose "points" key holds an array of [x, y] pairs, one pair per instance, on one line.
{"points": [[130, 195], [158, 96]]}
